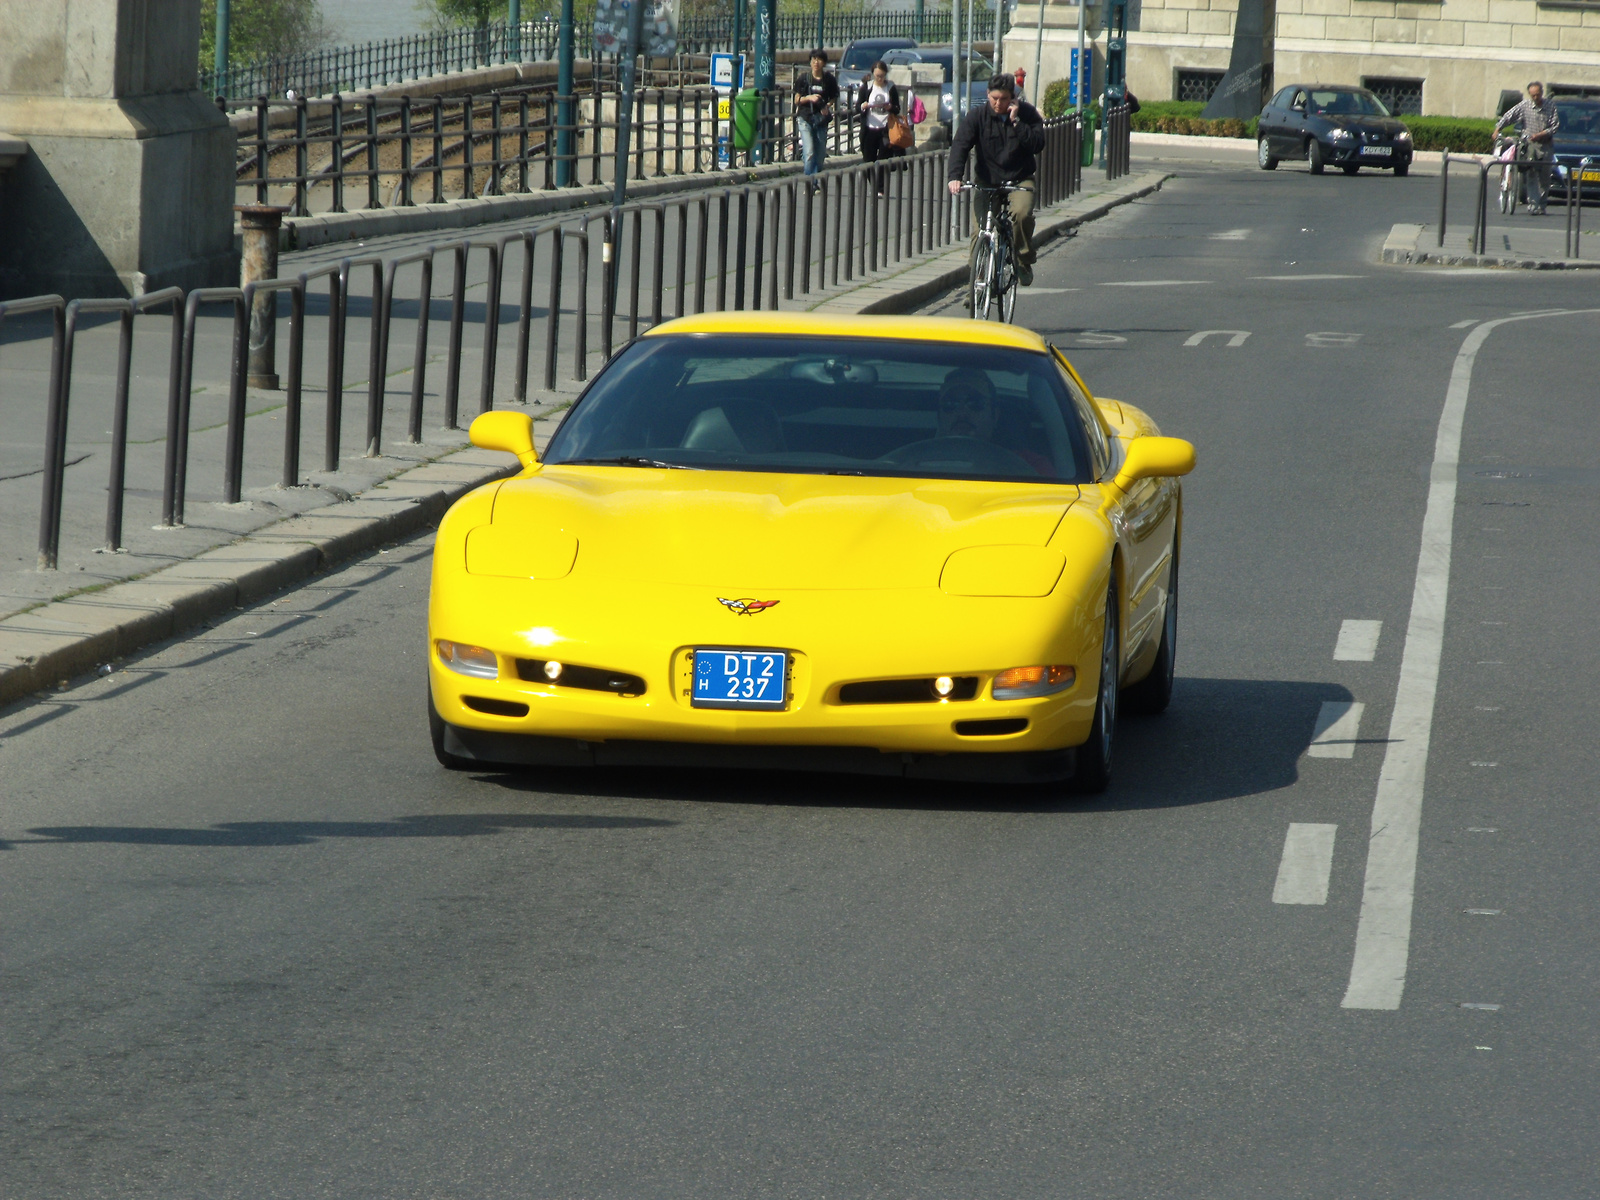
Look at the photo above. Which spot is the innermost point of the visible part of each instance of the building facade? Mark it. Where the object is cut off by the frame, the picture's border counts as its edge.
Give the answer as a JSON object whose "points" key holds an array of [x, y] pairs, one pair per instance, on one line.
{"points": [[1443, 57]]}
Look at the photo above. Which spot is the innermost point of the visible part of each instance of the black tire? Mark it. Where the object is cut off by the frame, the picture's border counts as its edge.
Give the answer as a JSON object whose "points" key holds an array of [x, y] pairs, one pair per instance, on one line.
{"points": [[447, 760], [1005, 300], [1153, 693], [1401, 170], [1093, 772], [1314, 156], [1265, 159], [979, 282], [1350, 168]]}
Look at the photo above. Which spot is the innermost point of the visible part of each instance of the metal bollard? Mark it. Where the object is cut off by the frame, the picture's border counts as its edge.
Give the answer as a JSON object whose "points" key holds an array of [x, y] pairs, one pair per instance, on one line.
{"points": [[261, 223]]}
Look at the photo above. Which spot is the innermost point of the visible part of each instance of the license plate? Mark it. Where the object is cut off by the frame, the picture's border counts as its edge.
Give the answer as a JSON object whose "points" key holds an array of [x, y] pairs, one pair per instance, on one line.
{"points": [[740, 678], [1590, 177], [1377, 149]]}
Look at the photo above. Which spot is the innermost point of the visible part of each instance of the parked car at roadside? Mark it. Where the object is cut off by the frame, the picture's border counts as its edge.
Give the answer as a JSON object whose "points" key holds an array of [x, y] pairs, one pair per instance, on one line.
{"points": [[855, 64], [1332, 125], [1575, 139], [980, 71]]}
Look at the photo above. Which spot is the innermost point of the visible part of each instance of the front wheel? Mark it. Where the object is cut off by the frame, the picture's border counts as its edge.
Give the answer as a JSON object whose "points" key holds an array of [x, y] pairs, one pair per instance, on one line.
{"points": [[1350, 168], [1401, 170], [1005, 283], [1314, 156], [981, 281], [1264, 157], [1093, 771]]}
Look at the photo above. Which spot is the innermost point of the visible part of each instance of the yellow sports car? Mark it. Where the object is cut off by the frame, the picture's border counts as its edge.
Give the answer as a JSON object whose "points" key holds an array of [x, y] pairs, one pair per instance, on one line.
{"points": [[898, 545]]}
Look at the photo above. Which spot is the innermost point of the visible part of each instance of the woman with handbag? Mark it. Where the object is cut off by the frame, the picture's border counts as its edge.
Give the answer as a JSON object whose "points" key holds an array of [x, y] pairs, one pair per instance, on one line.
{"points": [[880, 104]]}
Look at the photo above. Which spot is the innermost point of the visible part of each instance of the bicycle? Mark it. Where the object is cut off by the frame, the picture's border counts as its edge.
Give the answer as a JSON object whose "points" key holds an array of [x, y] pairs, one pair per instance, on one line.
{"points": [[1507, 150], [992, 272]]}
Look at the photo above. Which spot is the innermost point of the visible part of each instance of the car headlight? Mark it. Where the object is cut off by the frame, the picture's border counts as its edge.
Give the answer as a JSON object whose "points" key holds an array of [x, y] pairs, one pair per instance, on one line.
{"points": [[1024, 683], [1341, 135], [469, 660], [1403, 136]]}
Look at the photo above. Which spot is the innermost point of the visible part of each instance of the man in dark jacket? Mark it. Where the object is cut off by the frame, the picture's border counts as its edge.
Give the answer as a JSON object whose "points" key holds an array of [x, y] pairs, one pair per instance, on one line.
{"points": [[1003, 136]]}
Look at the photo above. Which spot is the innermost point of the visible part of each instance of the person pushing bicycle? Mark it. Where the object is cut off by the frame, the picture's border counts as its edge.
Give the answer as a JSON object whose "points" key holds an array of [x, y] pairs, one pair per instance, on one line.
{"points": [[1539, 120], [1003, 136]]}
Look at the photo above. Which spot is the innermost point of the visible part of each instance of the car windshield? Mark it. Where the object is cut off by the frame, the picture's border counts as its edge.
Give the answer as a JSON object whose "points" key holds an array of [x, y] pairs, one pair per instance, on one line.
{"points": [[861, 58], [1578, 120], [829, 405], [1347, 104]]}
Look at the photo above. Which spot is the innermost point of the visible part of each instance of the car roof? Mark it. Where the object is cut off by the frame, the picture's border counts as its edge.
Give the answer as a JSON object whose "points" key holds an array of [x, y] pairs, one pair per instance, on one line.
{"points": [[796, 324], [888, 43], [1328, 87]]}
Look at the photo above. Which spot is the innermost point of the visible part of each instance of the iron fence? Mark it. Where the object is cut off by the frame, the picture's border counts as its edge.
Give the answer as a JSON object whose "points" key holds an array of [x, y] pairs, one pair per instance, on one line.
{"points": [[441, 52], [315, 155], [1118, 143], [746, 248]]}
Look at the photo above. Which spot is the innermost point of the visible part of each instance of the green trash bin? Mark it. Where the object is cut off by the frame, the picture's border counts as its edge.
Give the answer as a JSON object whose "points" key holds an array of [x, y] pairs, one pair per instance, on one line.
{"points": [[746, 119], [1089, 116]]}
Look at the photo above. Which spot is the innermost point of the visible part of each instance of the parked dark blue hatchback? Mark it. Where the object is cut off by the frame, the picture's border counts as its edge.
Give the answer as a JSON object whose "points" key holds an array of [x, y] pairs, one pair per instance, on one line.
{"points": [[1347, 127]]}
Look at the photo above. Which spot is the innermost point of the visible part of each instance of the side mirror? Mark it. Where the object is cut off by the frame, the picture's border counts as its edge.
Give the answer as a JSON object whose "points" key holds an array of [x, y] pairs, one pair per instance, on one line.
{"points": [[1299, 107], [508, 431], [1153, 458]]}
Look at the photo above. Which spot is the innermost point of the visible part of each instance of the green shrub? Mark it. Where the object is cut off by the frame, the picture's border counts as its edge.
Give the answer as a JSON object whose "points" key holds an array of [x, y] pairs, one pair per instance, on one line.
{"points": [[1183, 116], [1459, 135]]}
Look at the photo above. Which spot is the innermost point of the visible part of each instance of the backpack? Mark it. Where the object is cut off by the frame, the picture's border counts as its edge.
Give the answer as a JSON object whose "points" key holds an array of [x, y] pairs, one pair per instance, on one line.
{"points": [[919, 111]]}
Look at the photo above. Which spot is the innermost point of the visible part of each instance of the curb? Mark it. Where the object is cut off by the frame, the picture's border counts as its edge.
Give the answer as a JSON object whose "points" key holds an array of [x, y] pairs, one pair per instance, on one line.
{"points": [[1404, 247], [917, 285], [70, 637], [66, 638]]}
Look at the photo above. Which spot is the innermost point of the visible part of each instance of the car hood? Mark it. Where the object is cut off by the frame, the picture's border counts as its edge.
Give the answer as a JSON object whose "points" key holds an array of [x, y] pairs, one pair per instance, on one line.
{"points": [[1577, 145], [746, 531], [1364, 124]]}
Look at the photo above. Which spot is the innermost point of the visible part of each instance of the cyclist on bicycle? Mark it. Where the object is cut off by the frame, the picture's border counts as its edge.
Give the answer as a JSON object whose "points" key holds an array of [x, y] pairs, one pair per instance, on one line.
{"points": [[1005, 133], [1539, 120]]}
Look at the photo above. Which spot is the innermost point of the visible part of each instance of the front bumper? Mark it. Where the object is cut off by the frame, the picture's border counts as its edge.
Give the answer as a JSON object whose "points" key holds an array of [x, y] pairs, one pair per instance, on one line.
{"points": [[832, 638], [1344, 153]]}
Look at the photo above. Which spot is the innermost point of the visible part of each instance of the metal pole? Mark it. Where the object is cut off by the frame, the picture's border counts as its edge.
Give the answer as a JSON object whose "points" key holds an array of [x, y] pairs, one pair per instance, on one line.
{"points": [[627, 86], [966, 59], [220, 63], [1444, 191], [822, 13], [916, 23], [513, 31], [738, 32], [564, 118], [766, 65], [1084, 68], [955, 64]]}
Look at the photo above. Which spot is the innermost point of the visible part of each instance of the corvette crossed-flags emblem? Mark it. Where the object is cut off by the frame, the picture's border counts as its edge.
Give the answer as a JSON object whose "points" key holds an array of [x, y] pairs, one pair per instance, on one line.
{"points": [[747, 607]]}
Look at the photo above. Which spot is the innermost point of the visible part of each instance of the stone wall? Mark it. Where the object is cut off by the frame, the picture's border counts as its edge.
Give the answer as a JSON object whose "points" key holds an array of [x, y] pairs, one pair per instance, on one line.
{"points": [[1466, 52]]}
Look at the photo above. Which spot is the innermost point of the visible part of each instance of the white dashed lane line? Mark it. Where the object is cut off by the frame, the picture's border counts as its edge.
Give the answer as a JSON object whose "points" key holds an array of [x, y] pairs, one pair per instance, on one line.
{"points": [[1337, 729], [1306, 865], [1358, 641]]}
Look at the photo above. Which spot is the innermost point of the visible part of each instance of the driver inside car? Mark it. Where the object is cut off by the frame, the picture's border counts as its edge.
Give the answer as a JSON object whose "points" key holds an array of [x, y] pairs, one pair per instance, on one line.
{"points": [[968, 408]]}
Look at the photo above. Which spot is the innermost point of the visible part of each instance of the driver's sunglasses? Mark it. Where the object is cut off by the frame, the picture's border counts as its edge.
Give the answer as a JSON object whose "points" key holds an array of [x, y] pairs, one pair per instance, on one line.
{"points": [[973, 402]]}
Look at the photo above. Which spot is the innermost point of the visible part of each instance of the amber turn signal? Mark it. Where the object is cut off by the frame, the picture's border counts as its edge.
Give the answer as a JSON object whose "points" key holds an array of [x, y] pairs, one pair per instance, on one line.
{"points": [[469, 660], [1021, 683]]}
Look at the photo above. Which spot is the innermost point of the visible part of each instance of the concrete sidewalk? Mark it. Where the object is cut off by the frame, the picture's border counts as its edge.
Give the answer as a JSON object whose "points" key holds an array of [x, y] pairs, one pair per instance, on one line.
{"points": [[1519, 241], [80, 621]]}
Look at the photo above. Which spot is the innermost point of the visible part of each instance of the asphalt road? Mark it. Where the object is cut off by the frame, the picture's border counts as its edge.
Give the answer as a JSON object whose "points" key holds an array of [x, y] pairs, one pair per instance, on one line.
{"points": [[257, 944]]}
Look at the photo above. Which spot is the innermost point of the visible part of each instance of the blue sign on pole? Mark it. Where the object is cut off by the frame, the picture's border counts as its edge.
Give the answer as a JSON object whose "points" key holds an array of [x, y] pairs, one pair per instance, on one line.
{"points": [[727, 77], [1078, 83]]}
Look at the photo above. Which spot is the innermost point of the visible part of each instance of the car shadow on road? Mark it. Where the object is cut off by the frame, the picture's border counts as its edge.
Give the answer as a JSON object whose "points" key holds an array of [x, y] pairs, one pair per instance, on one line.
{"points": [[306, 833], [1221, 739]]}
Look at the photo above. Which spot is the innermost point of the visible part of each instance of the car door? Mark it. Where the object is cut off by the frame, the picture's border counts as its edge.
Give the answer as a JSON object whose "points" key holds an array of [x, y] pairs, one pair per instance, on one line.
{"points": [[1144, 518], [1294, 126], [1270, 126]]}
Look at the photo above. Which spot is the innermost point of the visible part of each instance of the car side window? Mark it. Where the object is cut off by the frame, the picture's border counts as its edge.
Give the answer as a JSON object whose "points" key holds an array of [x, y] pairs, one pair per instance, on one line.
{"points": [[1281, 100], [1299, 101], [1099, 449]]}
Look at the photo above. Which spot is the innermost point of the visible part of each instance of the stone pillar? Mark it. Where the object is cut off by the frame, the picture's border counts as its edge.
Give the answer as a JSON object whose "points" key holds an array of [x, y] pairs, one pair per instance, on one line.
{"points": [[129, 183], [1248, 84]]}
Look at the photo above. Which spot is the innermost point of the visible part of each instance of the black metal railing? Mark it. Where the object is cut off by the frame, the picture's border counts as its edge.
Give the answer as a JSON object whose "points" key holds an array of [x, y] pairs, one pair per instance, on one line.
{"points": [[749, 248], [1118, 144], [444, 52], [367, 152], [1572, 177]]}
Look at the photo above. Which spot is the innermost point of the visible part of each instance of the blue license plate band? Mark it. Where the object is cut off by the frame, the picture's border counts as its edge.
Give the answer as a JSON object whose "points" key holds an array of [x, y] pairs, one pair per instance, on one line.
{"points": [[740, 678]]}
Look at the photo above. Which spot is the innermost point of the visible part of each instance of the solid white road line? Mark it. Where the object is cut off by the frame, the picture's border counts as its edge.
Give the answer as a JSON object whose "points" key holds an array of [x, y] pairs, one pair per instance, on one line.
{"points": [[1383, 937], [1230, 235], [1155, 282], [1338, 725], [1358, 641], [1307, 862], [1470, 321]]}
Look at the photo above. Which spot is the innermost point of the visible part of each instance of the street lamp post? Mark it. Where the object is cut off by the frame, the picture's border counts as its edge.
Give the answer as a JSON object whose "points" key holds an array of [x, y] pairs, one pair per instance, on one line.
{"points": [[220, 64], [822, 19], [514, 30], [766, 73], [565, 49]]}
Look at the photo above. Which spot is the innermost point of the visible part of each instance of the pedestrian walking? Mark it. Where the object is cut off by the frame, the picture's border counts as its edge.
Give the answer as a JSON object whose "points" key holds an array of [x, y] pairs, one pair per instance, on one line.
{"points": [[1003, 136], [1538, 119], [880, 100], [816, 91]]}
